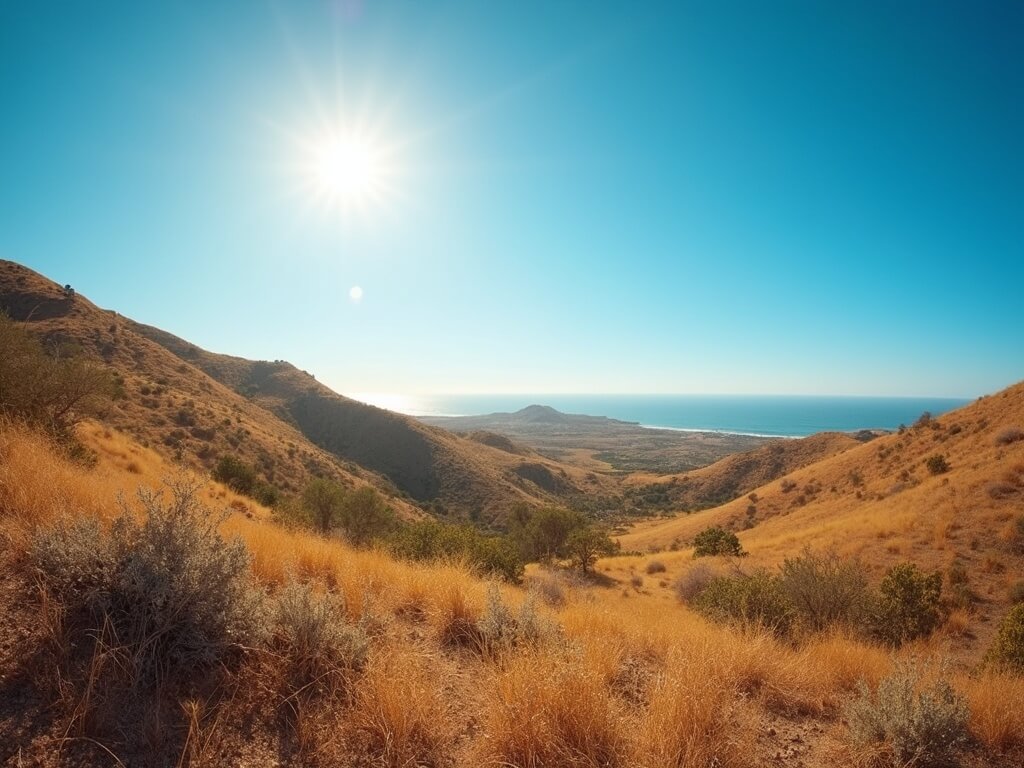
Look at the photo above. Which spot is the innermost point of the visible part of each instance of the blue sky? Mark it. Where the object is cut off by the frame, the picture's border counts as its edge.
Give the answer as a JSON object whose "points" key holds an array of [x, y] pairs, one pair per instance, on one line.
{"points": [[788, 197]]}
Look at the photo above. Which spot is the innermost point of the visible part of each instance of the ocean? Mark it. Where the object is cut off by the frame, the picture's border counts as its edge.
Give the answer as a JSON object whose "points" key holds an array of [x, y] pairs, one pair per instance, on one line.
{"points": [[774, 415]]}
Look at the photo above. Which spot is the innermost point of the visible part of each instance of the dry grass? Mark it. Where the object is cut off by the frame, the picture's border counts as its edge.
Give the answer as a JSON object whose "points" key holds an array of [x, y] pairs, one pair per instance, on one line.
{"points": [[639, 682]]}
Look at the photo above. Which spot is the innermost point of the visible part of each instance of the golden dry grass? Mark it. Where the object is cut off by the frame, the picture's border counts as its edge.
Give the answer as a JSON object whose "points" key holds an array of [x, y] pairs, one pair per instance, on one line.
{"points": [[632, 681]]}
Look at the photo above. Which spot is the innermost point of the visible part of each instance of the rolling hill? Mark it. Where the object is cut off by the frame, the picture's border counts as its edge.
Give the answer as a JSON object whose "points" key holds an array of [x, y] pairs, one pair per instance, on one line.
{"points": [[947, 491], [194, 406]]}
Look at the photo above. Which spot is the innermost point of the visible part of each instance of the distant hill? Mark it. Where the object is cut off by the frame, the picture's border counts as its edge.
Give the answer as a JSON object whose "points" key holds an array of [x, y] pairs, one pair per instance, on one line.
{"points": [[194, 405], [602, 444], [740, 473]]}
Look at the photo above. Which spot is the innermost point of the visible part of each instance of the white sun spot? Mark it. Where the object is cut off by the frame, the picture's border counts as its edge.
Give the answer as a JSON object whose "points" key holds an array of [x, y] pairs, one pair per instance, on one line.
{"points": [[355, 293]]}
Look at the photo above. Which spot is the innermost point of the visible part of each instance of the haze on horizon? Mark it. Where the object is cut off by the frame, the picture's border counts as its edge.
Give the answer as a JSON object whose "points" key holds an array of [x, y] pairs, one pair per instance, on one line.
{"points": [[449, 197]]}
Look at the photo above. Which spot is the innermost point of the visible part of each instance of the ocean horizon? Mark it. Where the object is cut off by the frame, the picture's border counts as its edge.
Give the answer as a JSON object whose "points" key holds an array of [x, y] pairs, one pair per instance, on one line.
{"points": [[761, 415]]}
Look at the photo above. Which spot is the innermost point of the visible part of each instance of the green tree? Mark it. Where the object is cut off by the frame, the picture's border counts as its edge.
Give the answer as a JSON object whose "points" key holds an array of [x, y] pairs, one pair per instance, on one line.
{"points": [[716, 541], [365, 516], [585, 544], [543, 535], [323, 500], [53, 389]]}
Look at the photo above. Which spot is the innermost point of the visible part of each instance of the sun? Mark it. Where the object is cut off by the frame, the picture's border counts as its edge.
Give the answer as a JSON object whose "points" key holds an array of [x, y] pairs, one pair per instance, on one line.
{"points": [[347, 168], [345, 171]]}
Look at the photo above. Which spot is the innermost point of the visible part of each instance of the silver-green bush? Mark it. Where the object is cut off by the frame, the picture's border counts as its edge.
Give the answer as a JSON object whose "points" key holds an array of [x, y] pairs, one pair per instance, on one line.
{"points": [[918, 725]]}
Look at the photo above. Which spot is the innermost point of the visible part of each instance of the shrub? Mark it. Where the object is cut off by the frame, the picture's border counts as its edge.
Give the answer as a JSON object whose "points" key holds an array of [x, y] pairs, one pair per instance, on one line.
{"points": [[1008, 648], [908, 605], [787, 485], [690, 584], [311, 632], [235, 474], [824, 590], [655, 566], [432, 540], [500, 628], [716, 541], [918, 725], [1010, 435], [1017, 592], [747, 599], [175, 594], [937, 464]]}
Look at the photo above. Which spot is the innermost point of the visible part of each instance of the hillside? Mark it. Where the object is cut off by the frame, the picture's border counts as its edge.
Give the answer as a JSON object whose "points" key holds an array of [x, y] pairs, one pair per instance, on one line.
{"points": [[737, 474], [194, 405], [879, 501], [618, 674]]}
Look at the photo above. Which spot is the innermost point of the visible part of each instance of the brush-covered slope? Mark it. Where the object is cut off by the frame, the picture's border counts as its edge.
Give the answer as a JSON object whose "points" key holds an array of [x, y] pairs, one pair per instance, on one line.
{"points": [[740, 473], [890, 500], [196, 405]]}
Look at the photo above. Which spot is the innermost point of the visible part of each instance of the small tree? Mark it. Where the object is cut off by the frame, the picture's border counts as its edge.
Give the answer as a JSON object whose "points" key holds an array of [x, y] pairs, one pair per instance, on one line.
{"points": [[364, 516], [716, 541], [323, 500], [588, 543], [543, 534]]}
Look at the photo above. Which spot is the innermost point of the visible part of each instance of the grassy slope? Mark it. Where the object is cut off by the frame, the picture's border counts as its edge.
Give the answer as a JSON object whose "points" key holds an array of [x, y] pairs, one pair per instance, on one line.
{"points": [[879, 502], [278, 417], [642, 681], [740, 473]]}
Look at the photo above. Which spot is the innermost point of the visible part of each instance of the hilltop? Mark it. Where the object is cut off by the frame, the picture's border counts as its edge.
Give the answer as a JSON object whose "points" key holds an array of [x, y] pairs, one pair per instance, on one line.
{"points": [[193, 406]]}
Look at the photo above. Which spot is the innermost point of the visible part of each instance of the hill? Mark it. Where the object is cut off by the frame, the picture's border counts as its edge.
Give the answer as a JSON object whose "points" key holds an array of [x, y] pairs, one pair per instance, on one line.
{"points": [[891, 500], [194, 406], [737, 474], [613, 672], [602, 444]]}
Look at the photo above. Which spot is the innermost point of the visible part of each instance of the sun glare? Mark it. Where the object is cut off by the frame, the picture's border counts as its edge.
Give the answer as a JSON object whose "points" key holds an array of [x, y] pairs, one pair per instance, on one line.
{"points": [[345, 172]]}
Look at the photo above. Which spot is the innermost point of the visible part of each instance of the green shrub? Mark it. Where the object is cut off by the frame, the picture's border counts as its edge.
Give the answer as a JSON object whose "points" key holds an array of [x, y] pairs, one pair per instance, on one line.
{"points": [[235, 474], [755, 599], [1008, 648], [432, 540], [937, 464], [908, 604], [824, 590], [174, 593], [918, 725], [322, 500], [716, 541]]}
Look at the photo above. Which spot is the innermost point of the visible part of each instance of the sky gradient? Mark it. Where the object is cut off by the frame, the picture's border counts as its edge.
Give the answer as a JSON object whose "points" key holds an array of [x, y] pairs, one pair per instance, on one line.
{"points": [[713, 197]]}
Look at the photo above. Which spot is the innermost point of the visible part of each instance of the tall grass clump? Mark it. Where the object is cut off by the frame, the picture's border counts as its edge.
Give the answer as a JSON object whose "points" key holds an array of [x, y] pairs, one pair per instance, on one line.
{"points": [[913, 723], [323, 649]]}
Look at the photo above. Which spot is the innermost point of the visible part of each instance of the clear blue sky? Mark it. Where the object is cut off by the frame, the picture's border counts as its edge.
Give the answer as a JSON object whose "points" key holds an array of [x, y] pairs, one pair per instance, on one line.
{"points": [[784, 197]]}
